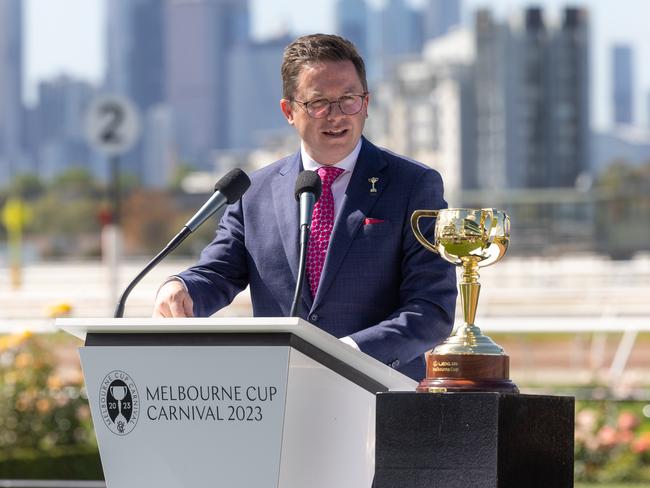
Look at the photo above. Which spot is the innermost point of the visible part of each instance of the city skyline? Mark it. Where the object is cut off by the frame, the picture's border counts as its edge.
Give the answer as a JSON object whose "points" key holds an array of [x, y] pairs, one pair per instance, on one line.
{"points": [[79, 48]]}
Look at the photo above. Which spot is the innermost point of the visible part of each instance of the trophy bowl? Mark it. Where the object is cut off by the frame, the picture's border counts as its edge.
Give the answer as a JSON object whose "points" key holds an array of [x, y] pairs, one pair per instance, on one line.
{"points": [[467, 360]]}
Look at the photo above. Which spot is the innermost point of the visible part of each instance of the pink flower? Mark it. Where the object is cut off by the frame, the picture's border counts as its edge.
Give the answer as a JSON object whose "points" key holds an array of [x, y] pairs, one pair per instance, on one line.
{"points": [[627, 421], [642, 444], [607, 436]]}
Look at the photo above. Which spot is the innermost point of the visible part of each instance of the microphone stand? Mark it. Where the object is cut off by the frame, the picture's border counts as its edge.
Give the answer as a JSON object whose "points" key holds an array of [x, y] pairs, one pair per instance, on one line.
{"points": [[173, 244], [304, 239]]}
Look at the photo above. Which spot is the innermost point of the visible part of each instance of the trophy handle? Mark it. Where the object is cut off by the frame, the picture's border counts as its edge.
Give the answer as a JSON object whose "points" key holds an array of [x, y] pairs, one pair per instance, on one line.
{"points": [[415, 225]]}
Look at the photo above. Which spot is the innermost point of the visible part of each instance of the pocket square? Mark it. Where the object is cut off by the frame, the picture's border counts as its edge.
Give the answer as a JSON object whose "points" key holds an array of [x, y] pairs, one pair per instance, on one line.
{"points": [[369, 221]]}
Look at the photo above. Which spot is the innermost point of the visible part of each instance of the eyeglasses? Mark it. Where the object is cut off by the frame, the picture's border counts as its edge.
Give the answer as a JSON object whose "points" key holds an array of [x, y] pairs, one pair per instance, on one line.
{"points": [[321, 108]]}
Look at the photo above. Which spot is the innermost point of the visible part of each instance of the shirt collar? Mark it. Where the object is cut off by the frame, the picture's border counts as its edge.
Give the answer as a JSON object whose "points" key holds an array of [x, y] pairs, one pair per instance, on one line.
{"points": [[347, 163]]}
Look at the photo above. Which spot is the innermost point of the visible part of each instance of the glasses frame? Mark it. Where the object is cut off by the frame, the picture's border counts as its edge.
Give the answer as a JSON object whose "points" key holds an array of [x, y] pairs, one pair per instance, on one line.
{"points": [[305, 107]]}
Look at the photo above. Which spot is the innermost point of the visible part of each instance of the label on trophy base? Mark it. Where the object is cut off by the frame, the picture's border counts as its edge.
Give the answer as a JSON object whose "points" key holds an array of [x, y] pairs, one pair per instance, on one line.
{"points": [[473, 366], [438, 367], [467, 372]]}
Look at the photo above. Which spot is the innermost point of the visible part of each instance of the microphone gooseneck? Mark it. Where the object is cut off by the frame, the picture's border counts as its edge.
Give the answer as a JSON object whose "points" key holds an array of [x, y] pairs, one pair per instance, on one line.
{"points": [[228, 190], [308, 190]]}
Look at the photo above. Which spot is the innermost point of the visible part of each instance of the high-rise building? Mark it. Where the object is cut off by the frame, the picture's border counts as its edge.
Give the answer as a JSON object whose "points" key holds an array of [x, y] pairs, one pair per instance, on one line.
{"points": [[532, 96], [532, 81], [58, 125], [494, 82], [352, 23], [568, 113], [254, 115], [623, 84], [61, 108], [135, 63], [159, 156], [11, 81], [401, 34], [440, 16], [135, 50], [199, 34]]}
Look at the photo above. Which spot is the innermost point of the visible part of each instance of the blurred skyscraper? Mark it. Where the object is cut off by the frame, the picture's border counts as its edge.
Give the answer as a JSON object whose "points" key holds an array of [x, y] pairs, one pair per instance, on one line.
{"points": [[532, 93], [495, 73], [440, 16], [56, 124], [11, 81], [568, 112], [503, 107], [352, 23], [134, 43], [135, 61], [254, 115], [199, 36], [623, 84], [401, 34]]}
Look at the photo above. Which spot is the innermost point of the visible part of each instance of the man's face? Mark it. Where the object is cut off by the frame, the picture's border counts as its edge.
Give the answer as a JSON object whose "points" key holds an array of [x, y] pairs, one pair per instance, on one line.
{"points": [[332, 138]]}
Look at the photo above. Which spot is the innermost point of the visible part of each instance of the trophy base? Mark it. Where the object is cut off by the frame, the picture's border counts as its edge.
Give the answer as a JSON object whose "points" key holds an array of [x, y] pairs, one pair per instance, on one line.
{"points": [[467, 372]]}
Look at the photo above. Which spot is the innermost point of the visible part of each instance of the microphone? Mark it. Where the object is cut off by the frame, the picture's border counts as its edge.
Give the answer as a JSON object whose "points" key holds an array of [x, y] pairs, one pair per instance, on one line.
{"points": [[308, 190], [227, 190]]}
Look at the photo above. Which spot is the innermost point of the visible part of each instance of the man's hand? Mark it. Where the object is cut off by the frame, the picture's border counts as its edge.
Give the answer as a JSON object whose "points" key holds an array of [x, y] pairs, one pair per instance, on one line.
{"points": [[173, 300]]}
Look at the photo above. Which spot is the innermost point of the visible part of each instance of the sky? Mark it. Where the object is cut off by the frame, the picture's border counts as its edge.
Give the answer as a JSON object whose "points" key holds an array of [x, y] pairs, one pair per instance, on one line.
{"points": [[67, 36]]}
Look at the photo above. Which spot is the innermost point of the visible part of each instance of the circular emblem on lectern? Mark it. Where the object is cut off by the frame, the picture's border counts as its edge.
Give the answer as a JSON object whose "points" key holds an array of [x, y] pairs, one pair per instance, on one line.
{"points": [[119, 402]]}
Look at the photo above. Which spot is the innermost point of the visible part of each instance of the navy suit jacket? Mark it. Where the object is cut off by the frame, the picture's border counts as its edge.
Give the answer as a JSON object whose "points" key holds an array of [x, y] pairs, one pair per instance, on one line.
{"points": [[379, 286]]}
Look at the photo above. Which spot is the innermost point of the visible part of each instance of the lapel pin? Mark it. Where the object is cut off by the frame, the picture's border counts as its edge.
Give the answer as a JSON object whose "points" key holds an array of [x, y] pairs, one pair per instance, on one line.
{"points": [[372, 182]]}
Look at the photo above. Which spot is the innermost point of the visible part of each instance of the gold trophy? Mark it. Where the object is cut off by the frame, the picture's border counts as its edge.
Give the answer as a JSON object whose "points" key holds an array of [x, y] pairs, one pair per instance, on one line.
{"points": [[467, 360]]}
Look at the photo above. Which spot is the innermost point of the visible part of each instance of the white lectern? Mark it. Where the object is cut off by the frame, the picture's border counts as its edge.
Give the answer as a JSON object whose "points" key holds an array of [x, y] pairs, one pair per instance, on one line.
{"points": [[250, 403]]}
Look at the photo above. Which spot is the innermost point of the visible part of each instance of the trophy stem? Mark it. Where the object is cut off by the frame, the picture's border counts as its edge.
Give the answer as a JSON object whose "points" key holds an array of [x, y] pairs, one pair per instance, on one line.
{"points": [[470, 290]]}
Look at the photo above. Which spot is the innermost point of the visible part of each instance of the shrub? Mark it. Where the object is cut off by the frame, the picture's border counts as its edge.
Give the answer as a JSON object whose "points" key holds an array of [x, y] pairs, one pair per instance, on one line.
{"points": [[612, 442], [44, 415]]}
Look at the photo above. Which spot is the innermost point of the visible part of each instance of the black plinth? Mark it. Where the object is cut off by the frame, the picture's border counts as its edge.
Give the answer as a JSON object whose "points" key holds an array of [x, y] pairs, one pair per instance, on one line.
{"points": [[473, 440]]}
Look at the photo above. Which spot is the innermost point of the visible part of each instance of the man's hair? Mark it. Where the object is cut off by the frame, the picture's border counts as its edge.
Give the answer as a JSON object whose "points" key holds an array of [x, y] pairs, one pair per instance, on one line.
{"points": [[317, 48]]}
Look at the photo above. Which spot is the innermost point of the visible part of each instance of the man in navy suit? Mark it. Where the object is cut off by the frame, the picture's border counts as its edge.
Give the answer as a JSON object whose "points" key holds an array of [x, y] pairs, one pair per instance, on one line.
{"points": [[379, 290]]}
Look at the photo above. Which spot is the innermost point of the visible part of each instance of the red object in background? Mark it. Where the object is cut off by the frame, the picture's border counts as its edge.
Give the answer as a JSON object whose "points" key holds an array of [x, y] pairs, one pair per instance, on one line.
{"points": [[105, 217]]}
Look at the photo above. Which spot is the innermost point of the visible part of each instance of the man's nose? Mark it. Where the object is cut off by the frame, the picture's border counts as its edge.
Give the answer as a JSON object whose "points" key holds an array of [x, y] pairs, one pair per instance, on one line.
{"points": [[335, 111]]}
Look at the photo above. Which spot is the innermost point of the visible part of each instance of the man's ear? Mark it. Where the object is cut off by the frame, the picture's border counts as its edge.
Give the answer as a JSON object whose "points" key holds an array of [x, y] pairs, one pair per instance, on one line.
{"points": [[287, 110]]}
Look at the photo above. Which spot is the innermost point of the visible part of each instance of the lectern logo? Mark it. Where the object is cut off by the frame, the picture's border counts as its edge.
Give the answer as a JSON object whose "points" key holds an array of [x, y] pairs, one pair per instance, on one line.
{"points": [[119, 402]]}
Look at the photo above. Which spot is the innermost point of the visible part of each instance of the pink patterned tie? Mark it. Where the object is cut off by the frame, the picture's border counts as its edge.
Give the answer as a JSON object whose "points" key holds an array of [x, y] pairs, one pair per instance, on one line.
{"points": [[321, 227]]}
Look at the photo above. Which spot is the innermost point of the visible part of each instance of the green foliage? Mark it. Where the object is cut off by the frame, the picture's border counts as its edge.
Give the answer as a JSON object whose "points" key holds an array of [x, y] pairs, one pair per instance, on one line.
{"points": [[39, 409], [75, 180], [623, 209], [45, 424], [180, 172], [69, 211], [69, 463], [27, 186], [622, 177]]}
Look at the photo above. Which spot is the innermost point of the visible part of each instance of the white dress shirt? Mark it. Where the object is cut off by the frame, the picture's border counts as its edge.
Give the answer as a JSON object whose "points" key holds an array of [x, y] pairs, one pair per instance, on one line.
{"points": [[339, 186]]}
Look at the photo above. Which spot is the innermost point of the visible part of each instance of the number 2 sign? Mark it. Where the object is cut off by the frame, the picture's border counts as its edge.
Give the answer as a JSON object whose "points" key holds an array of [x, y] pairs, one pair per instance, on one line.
{"points": [[112, 124]]}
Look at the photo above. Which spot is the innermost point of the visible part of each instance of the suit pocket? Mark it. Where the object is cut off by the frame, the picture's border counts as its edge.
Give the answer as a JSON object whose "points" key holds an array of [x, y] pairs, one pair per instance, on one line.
{"points": [[377, 229]]}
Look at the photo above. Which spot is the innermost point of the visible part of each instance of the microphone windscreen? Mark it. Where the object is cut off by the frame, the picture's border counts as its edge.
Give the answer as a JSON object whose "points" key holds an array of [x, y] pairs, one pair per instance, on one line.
{"points": [[233, 185], [308, 181]]}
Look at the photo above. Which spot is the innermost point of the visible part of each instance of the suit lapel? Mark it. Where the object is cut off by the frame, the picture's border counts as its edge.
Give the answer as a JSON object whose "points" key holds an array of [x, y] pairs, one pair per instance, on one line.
{"points": [[357, 204], [287, 215]]}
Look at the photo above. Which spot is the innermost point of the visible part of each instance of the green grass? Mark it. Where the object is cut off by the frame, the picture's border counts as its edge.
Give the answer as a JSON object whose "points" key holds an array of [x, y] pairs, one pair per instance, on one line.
{"points": [[610, 485]]}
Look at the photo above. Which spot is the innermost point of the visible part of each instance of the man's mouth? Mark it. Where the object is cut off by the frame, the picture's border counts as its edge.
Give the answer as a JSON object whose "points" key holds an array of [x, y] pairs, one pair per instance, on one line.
{"points": [[335, 133]]}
